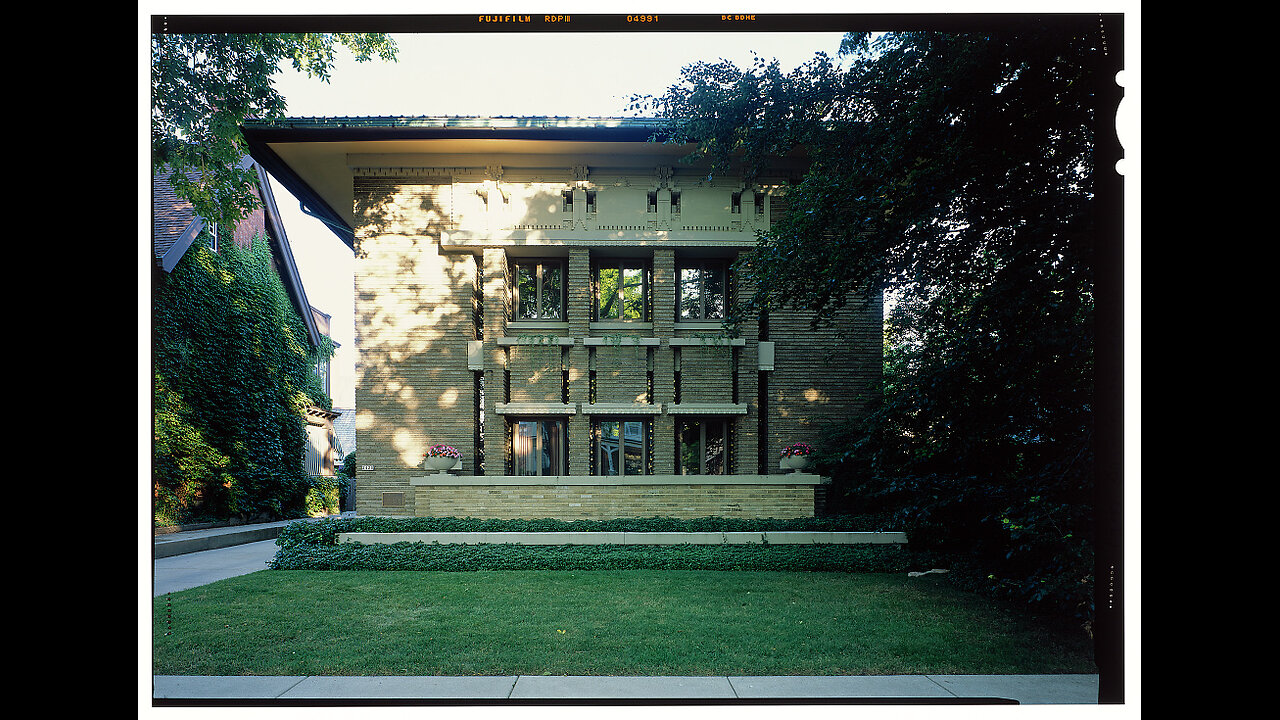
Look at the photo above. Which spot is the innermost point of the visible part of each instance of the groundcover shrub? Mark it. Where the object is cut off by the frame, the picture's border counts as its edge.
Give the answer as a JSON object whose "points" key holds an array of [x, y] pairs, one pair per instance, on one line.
{"points": [[314, 546], [325, 532], [425, 556]]}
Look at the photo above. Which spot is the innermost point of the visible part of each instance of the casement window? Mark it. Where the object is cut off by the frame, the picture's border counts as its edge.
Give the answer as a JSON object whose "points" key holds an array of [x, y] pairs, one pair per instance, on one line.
{"points": [[621, 290], [703, 288], [537, 447], [622, 447], [702, 447], [538, 291]]}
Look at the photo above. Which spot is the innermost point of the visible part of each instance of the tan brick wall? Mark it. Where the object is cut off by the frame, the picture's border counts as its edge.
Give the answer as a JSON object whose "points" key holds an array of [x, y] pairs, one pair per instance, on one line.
{"points": [[602, 502], [821, 376], [536, 374], [747, 427], [497, 306], [706, 374], [622, 374], [579, 286], [414, 318]]}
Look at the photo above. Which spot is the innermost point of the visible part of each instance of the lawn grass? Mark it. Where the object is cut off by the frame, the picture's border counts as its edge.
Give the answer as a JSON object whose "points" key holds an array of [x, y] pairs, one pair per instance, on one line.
{"points": [[626, 622]]}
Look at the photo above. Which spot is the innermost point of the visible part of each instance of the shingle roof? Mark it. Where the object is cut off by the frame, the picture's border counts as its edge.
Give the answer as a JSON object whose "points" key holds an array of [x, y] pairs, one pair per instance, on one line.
{"points": [[170, 217], [344, 426]]}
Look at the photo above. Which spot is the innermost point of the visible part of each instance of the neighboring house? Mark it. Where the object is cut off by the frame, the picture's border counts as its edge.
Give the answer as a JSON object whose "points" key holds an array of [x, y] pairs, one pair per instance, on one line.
{"points": [[546, 296], [175, 227]]}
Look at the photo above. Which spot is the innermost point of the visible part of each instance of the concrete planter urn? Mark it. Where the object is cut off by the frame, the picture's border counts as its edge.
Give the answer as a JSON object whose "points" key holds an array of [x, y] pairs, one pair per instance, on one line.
{"points": [[441, 458], [796, 457], [795, 463], [440, 463]]}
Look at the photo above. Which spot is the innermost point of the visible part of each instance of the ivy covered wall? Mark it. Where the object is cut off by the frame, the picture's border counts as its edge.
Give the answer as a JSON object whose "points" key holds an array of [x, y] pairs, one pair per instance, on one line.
{"points": [[232, 372]]}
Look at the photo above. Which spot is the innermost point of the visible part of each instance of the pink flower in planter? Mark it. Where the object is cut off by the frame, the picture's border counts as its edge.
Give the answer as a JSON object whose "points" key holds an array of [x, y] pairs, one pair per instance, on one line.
{"points": [[442, 451], [797, 450]]}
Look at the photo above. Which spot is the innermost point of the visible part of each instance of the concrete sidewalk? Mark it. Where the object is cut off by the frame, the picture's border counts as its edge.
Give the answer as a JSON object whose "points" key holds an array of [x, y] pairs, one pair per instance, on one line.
{"points": [[536, 689], [181, 542]]}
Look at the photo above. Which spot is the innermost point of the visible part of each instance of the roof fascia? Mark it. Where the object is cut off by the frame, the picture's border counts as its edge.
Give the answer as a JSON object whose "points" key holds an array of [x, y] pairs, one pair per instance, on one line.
{"points": [[179, 248], [309, 201], [292, 278]]}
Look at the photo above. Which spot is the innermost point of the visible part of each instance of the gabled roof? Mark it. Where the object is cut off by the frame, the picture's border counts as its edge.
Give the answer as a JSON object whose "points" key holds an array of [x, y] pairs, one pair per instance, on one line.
{"points": [[175, 226]]}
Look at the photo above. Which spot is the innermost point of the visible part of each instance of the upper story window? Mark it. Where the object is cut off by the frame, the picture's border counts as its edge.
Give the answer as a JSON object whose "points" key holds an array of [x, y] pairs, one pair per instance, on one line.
{"points": [[621, 289], [675, 202], [652, 204], [702, 289], [538, 291], [591, 202], [567, 201], [735, 203]]}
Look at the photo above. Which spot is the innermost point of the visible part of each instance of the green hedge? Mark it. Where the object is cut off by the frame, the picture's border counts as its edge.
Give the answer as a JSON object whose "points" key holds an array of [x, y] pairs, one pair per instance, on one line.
{"points": [[322, 498], [461, 558], [325, 532], [314, 545]]}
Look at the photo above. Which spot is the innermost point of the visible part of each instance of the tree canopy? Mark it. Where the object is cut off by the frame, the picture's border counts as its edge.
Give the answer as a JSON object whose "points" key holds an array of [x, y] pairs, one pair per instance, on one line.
{"points": [[204, 85], [956, 173]]}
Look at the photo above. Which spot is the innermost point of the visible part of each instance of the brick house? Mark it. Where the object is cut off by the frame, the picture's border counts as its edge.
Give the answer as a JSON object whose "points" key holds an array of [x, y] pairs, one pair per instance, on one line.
{"points": [[546, 295], [175, 227]]}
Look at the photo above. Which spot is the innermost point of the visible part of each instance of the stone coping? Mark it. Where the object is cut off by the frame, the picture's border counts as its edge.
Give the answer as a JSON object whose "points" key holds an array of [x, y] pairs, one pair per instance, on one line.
{"points": [[535, 340], [706, 408], [549, 338], [621, 409], [710, 341], [622, 341], [533, 408], [785, 537], [605, 481]]}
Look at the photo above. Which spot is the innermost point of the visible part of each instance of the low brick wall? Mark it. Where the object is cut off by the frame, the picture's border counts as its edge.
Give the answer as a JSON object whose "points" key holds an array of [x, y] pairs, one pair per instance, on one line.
{"points": [[578, 501], [771, 537]]}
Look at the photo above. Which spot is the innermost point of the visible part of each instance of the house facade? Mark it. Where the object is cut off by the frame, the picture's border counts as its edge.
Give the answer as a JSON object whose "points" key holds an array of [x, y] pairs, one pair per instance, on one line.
{"points": [[547, 296]]}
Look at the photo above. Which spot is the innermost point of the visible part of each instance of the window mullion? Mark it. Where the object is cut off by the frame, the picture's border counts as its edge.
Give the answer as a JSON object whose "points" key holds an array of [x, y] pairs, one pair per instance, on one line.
{"points": [[702, 449], [538, 311], [702, 289]]}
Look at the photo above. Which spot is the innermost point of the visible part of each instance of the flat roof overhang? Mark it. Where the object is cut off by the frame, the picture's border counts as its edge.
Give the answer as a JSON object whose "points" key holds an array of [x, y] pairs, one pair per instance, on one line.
{"points": [[313, 158]]}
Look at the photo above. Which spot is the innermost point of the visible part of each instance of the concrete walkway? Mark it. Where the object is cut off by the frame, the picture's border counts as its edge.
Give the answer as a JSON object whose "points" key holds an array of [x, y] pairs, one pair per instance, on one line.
{"points": [[534, 689], [214, 554]]}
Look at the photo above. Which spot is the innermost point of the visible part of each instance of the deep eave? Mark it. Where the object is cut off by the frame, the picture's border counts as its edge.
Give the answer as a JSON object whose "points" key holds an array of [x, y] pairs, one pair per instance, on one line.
{"points": [[308, 155]]}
